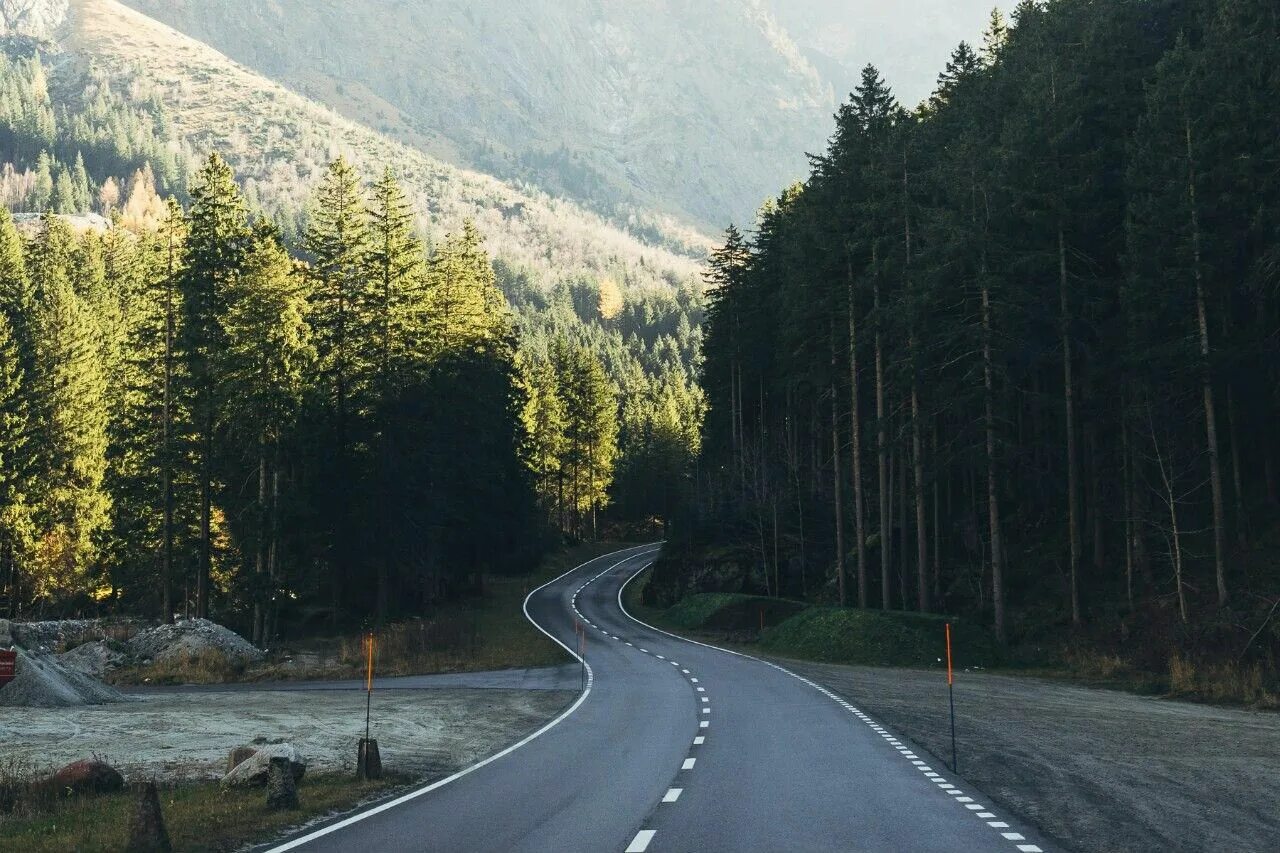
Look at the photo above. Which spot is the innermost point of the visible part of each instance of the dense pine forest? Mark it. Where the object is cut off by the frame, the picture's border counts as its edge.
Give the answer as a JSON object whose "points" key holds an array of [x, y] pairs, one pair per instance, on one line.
{"points": [[1012, 354], [326, 412]]}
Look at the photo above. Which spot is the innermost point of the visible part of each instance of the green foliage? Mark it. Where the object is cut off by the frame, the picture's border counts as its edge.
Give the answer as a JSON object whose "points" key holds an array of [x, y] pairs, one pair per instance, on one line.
{"points": [[878, 638], [1051, 291], [728, 611]]}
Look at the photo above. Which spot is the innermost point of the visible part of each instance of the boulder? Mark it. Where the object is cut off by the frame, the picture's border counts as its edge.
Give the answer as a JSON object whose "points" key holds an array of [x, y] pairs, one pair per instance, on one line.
{"points": [[252, 772], [87, 776], [282, 788], [238, 756]]}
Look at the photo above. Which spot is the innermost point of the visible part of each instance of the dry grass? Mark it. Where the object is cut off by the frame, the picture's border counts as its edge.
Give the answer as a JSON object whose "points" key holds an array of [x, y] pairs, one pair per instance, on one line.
{"points": [[199, 815], [1223, 682], [488, 632], [208, 666]]}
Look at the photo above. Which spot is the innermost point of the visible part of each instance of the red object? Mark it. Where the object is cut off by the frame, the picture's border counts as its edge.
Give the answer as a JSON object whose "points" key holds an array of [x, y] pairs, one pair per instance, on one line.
{"points": [[8, 666]]}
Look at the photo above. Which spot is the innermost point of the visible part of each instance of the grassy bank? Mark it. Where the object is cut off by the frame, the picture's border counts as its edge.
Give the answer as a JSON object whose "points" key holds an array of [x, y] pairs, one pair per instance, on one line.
{"points": [[200, 816], [478, 633], [796, 630]]}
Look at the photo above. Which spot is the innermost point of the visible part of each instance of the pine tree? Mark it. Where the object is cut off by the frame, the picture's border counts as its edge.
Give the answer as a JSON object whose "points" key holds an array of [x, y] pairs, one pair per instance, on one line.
{"points": [[266, 359], [341, 294], [70, 442], [218, 236], [16, 531]]}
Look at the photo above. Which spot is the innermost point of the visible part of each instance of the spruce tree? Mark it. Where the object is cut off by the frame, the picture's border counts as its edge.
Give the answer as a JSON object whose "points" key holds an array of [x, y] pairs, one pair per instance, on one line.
{"points": [[217, 239]]}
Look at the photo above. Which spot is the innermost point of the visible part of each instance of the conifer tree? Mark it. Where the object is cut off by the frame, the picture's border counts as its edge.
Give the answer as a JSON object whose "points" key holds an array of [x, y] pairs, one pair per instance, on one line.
{"points": [[217, 238]]}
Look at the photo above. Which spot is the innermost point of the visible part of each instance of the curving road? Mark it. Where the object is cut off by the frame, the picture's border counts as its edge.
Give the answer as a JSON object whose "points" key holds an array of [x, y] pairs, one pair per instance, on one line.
{"points": [[678, 746]]}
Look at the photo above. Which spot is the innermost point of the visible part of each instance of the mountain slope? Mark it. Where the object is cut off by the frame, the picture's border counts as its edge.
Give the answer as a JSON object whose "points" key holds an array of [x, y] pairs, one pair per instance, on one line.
{"points": [[909, 41], [279, 142], [698, 109]]}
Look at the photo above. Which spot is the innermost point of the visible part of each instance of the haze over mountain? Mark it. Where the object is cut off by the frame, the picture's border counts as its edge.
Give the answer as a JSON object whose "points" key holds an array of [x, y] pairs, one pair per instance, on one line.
{"points": [[696, 109], [908, 40]]}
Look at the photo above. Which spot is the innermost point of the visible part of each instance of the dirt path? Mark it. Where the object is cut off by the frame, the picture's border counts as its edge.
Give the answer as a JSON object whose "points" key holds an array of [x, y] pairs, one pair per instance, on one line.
{"points": [[1097, 770], [423, 732]]}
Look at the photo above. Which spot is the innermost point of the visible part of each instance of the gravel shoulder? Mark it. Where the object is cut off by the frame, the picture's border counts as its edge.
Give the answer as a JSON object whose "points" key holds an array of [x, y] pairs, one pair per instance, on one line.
{"points": [[1096, 770], [187, 734]]}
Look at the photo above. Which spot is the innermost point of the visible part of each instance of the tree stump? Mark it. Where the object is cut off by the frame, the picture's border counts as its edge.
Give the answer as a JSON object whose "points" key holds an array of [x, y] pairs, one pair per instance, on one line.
{"points": [[282, 791], [146, 828], [368, 760]]}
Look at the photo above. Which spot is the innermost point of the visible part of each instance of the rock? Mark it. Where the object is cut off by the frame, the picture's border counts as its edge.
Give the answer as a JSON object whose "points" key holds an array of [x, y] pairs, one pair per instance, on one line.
{"points": [[238, 755], [252, 772], [88, 776], [282, 788], [146, 828]]}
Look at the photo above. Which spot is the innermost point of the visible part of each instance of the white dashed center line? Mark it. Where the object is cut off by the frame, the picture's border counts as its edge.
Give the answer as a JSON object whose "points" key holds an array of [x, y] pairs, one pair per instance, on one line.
{"points": [[688, 764], [640, 843], [673, 794]]}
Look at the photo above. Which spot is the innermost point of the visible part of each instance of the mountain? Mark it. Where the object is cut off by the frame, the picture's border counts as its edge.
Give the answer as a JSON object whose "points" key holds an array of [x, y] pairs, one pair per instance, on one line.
{"points": [[698, 110], [279, 141], [909, 40]]}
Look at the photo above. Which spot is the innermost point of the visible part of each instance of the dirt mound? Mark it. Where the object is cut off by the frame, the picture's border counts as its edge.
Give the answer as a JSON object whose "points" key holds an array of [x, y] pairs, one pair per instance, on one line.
{"points": [[192, 638], [42, 682]]}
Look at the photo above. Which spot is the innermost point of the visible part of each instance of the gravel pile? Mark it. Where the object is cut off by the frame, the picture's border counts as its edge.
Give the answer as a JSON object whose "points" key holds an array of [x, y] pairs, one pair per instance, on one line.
{"points": [[191, 638], [94, 659], [43, 682]]}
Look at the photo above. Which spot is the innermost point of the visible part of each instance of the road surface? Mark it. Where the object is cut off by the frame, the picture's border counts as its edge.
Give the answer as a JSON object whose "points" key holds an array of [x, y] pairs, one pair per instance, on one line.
{"points": [[676, 746]]}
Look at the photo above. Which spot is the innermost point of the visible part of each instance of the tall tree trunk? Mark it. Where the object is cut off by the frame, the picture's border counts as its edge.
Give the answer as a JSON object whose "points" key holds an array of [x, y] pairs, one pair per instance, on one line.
{"points": [[899, 458], [882, 451], [993, 494], [1068, 395], [206, 522], [859, 510], [1127, 453], [917, 450], [166, 461], [1242, 520], [922, 531], [835, 467], [260, 549], [1206, 378]]}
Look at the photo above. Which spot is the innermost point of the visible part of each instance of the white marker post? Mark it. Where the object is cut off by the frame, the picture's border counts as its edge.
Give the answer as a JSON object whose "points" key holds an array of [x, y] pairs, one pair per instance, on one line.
{"points": [[951, 693]]}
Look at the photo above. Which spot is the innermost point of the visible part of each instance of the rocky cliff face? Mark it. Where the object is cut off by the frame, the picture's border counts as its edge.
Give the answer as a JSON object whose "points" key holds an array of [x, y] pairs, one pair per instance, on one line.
{"points": [[35, 19]]}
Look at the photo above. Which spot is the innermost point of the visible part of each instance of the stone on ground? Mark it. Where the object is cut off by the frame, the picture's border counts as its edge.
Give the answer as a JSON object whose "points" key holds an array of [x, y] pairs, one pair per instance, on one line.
{"points": [[282, 788], [252, 772], [87, 776]]}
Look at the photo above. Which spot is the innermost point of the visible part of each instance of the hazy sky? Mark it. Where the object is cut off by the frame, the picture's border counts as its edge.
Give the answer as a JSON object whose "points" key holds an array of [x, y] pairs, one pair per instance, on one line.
{"points": [[908, 40]]}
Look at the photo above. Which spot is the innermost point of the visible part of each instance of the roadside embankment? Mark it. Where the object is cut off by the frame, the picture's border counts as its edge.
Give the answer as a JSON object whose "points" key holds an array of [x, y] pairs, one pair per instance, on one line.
{"points": [[1097, 770]]}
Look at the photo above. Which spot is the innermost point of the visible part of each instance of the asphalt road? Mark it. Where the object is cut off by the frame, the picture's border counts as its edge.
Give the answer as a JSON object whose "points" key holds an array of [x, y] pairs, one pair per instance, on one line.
{"points": [[677, 746]]}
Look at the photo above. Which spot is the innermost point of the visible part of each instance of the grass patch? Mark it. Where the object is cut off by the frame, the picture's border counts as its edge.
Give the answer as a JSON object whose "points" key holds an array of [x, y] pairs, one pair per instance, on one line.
{"points": [[480, 633], [200, 816], [879, 638], [1223, 682], [730, 611]]}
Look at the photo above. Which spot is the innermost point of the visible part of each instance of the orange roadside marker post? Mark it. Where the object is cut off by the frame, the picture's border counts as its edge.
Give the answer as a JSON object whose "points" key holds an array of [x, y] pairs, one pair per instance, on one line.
{"points": [[951, 694], [368, 760]]}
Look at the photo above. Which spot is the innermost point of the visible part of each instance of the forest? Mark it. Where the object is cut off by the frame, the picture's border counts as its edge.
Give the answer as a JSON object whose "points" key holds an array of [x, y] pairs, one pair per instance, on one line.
{"points": [[201, 416], [1012, 355]]}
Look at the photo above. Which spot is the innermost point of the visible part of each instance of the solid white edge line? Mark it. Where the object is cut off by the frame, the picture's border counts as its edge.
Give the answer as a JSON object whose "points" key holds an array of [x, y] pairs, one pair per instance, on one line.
{"points": [[1024, 848], [412, 795]]}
